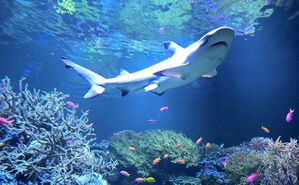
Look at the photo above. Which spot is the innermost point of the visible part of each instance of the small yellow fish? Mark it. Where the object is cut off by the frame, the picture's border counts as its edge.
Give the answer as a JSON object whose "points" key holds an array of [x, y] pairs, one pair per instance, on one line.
{"points": [[208, 146], [150, 179], [265, 129]]}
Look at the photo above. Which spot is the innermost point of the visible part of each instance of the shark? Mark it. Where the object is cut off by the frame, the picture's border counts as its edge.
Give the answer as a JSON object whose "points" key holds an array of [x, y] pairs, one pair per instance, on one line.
{"points": [[184, 65]]}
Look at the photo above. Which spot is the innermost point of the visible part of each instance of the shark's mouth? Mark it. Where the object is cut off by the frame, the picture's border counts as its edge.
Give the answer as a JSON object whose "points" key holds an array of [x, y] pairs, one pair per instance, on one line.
{"points": [[219, 44]]}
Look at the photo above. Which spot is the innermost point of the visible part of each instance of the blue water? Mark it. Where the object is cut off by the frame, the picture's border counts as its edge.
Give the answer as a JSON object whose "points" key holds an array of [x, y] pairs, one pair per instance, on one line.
{"points": [[256, 85]]}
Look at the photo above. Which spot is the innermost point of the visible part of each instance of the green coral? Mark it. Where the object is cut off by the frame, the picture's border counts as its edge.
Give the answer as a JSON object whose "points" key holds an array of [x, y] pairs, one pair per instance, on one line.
{"points": [[152, 144], [241, 164], [65, 7], [184, 180]]}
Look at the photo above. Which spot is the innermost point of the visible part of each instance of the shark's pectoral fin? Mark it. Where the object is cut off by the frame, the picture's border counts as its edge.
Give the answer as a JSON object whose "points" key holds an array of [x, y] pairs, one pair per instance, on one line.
{"points": [[210, 74], [94, 91], [124, 92], [180, 71], [151, 86], [171, 47]]}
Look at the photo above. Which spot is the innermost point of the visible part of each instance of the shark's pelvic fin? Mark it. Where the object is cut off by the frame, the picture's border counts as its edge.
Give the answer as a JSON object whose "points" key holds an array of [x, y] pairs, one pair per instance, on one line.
{"points": [[171, 47], [210, 74], [151, 86], [177, 72], [94, 91], [96, 81]]}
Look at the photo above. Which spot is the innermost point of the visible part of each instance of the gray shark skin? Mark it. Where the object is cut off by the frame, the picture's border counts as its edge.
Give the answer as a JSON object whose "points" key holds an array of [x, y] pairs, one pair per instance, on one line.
{"points": [[184, 65]]}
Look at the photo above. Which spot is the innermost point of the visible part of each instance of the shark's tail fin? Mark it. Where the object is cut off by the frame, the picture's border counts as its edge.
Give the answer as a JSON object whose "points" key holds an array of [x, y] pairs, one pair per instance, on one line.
{"points": [[96, 81]]}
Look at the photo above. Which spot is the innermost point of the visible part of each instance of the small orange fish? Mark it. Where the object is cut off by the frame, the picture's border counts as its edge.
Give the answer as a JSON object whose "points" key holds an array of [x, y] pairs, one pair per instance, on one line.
{"points": [[180, 161], [208, 146], [131, 148], [156, 161], [198, 141], [265, 129], [139, 179], [178, 145]]}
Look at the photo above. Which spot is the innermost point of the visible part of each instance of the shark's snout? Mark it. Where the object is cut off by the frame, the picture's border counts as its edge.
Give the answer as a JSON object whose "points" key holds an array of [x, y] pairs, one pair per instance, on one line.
{"points": [[221, 36]]}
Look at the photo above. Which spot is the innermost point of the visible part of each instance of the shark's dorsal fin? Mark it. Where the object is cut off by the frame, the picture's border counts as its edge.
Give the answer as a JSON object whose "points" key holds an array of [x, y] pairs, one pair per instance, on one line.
{"points": [[171, 47], [210, 74], [123, 72], [180, 71]]}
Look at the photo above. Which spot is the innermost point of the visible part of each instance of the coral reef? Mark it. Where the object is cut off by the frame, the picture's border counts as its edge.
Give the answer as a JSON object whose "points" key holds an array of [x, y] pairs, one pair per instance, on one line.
{"points": [[150, 145], [184, 180], [259, 143], [281, 162], [242, 163], [46, 142], [90, 179]]}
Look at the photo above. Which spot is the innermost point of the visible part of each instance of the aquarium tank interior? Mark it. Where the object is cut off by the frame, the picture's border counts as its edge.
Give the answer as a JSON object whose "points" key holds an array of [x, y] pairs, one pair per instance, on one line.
{"points": [[161, 92]]}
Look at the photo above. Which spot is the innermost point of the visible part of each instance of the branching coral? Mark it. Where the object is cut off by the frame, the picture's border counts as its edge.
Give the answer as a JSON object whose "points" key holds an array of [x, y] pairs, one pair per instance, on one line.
{"points": [[259, 143], [47, 141], [152, 144], [90, 179], [281, 162], [240, 164]]}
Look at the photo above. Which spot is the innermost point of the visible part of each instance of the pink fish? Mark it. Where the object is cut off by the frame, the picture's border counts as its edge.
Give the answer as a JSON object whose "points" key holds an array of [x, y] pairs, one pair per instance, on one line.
{"points": [[252, 177], [289, 116], [156, 161], [5, 121], [165, 156], [152, 120], [88, 126], [164, 109], [125, 173], [72, 105], [198, 141], [131, 148]]}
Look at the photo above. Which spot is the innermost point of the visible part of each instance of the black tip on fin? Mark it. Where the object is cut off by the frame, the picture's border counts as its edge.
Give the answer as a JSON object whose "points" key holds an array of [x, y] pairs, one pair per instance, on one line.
{"points": [[63, 58], [159, 94], [124, 92]]}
